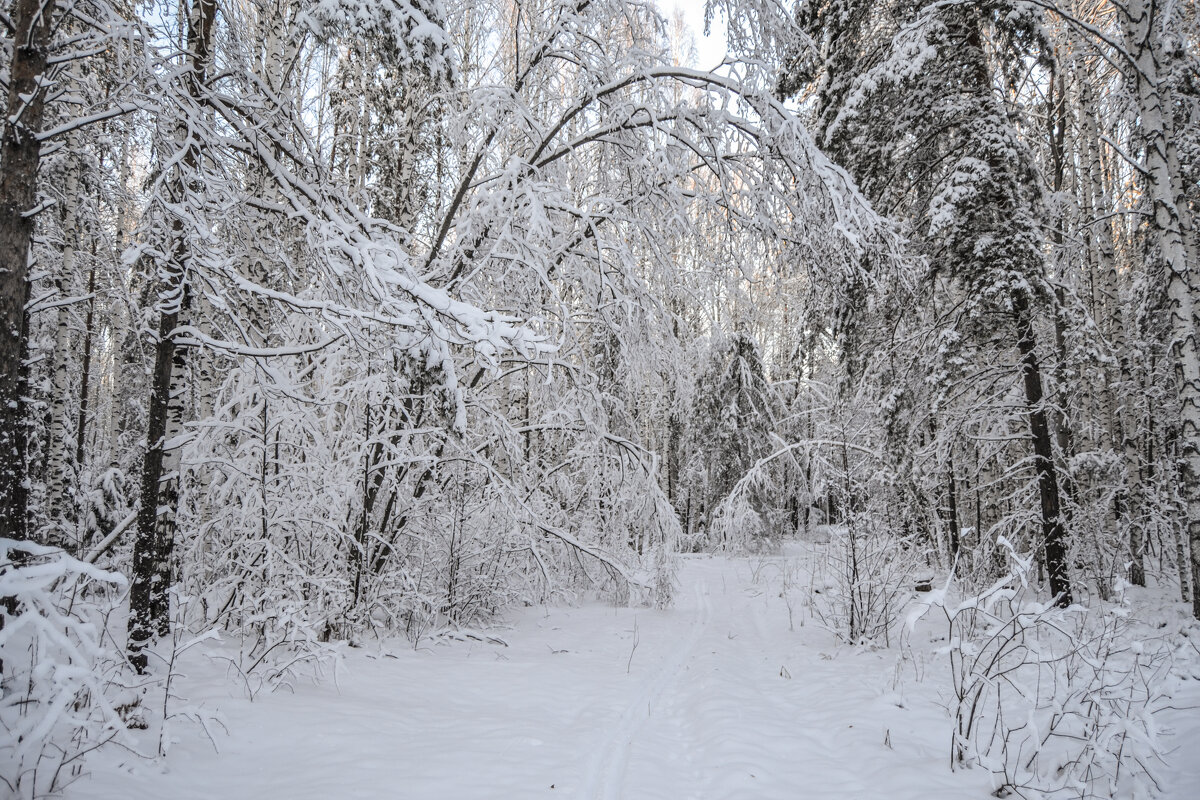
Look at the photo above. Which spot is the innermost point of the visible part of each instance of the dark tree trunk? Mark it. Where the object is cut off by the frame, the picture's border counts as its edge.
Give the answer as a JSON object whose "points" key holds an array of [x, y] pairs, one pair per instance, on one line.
{"points": [[952, 511], [1053, 534], [1057, 122], [373, 475], [85, 379], [149, 596], [674, 434], [20, 154]]}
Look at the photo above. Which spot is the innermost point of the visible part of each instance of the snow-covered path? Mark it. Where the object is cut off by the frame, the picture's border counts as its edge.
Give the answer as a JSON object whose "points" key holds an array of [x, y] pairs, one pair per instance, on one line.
{"points": [[758, 714], [748, 709], [715, 698]]}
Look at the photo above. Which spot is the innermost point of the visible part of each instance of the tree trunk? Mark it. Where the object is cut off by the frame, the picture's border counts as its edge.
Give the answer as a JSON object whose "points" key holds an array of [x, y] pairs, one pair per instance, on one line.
{"points": [[1165, 190], [149, 597], [20, 154], [1053, 535], [89, 325], [1057, 122], [952, 511], [60, 495]]}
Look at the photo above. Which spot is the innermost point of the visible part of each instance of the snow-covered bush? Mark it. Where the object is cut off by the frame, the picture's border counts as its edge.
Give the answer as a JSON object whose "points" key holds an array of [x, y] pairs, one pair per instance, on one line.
{"points": [[1053, 702], [1101, 548], [869, 570], [56, 670]]}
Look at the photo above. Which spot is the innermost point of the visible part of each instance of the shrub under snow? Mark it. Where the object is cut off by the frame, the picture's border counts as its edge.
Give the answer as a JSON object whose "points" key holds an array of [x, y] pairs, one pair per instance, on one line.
{"points": [[54, 707]]}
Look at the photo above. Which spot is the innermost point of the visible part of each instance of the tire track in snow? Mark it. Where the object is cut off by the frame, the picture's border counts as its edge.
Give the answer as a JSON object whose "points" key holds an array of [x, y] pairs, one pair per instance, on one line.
{"points": [[606, 770]]}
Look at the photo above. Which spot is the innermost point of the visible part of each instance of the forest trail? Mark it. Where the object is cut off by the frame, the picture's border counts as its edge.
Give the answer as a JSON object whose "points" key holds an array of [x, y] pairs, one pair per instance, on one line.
{"points": [[716, 698], [751, 709], [606, 773]]}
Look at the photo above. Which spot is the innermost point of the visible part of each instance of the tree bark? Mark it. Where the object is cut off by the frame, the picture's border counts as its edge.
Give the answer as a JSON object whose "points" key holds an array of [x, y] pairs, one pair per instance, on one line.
{"points": [[20, 155], [149, 596], [952, 511], [1143, 43], [60, 471], [89, 325], [1053, 534]]}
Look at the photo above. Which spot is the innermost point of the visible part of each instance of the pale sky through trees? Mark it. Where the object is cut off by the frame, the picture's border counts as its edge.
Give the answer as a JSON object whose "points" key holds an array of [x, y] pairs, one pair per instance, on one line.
{"points": [[709, 49]]}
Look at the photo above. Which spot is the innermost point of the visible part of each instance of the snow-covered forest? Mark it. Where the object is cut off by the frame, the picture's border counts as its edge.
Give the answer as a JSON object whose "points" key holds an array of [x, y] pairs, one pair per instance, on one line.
{"points": [[486, 398]]}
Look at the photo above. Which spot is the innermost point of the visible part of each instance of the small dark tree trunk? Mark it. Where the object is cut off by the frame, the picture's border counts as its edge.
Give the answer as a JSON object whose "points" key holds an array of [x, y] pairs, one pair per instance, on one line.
{"points": [[149, 601], [85, 379], [1053, 534], [372, 481], [952, 510]]}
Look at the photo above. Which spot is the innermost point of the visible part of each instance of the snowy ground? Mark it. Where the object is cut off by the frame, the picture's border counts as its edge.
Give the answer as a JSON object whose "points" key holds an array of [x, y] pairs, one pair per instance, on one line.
{"points": [[714, 698]]}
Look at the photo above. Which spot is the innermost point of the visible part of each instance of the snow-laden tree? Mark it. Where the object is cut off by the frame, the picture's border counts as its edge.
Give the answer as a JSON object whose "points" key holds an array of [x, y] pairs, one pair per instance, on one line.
{"points": [[734, 413], [1018, 377], [357, 443], [906, 95]]}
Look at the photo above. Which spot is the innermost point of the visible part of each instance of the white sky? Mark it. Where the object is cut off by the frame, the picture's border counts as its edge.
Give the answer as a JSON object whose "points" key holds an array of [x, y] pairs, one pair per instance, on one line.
{"points": [[710, 49]]}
